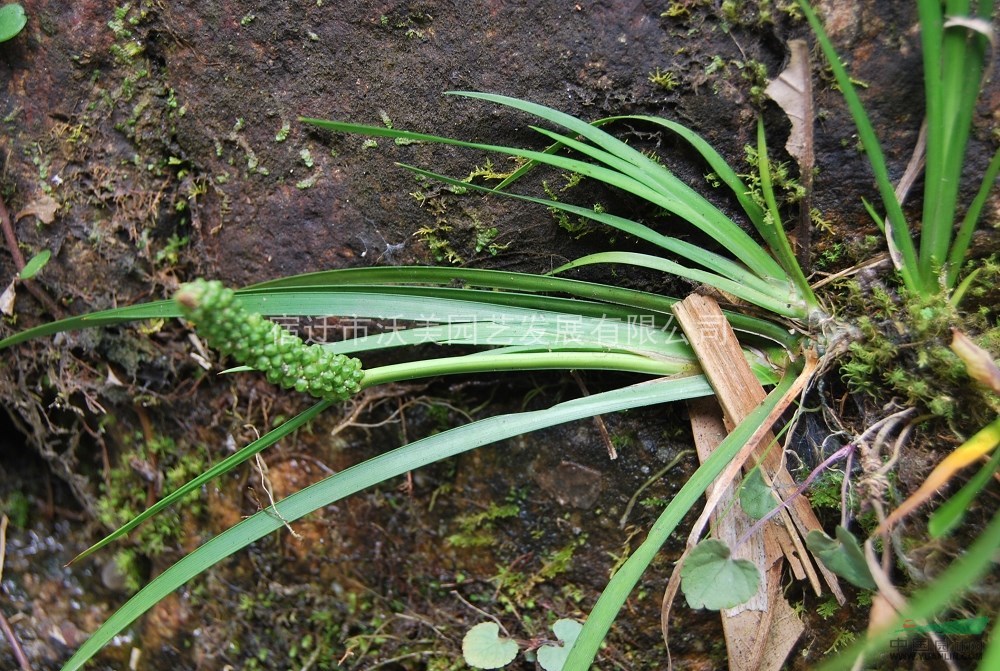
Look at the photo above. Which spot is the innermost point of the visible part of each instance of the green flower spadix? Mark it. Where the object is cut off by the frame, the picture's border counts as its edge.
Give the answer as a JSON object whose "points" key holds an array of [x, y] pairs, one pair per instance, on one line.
{"points": [[259, 343]]}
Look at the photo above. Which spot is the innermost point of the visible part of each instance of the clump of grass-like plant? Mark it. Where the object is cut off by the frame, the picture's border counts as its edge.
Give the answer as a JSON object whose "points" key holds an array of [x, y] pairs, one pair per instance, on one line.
{"points": [[518, 322], [905, 346], [956, 50], [515, 321], [768, 277], [906, 332]]}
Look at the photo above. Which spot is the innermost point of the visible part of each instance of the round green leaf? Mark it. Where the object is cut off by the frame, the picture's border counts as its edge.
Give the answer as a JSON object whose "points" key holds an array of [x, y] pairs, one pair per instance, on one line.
{"points": [[484, 648], [712, 579], [553, 657], [12, 20], [755, 496], [843, 556]]}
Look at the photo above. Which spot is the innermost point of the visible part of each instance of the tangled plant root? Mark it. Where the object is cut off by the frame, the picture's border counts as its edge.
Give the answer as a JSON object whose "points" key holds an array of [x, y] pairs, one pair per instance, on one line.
{"points": [[259, 343]]}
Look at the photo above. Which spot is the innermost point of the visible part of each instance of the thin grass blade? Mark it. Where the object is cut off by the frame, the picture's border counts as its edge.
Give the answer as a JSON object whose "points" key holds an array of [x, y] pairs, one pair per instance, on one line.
{"points": [[950, 513], [688, 204], [649, 167], [589, 131], [470, 277], [224, 466], [372, 472], [718, 264], [606, 610], [866, 133], [459, 315], [778, 304], [697, 211], [495, 363], [954, 59], [153, 310], [715, 161], [991, 656], [776, 232], [559, 334], [931, 42], [607, 175], [329, 297], [962, 574], [647, 303], [956, 257]]}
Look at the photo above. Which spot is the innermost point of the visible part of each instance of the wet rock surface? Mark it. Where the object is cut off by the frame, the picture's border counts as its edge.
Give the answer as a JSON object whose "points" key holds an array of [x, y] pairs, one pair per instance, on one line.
{"points": [[166, 135]]}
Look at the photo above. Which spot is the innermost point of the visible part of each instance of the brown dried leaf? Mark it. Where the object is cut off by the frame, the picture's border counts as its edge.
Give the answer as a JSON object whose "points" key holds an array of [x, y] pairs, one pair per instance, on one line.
{"points": [[981, 444], [978, 361], [7, 300], [44, 207], [739, 393], [881, 616], [760, 633], [792, 90]]}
